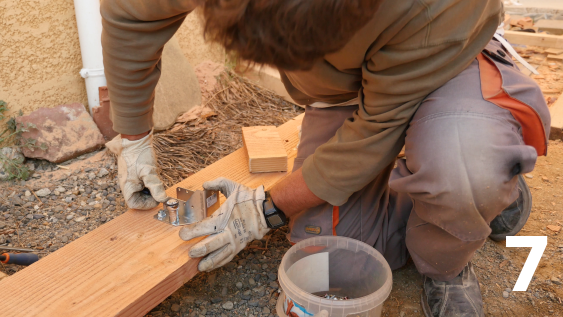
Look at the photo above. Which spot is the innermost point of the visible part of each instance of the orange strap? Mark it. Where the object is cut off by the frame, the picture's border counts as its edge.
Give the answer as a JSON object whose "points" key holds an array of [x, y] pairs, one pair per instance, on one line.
{"points": [[335, 218], [491, 87]]}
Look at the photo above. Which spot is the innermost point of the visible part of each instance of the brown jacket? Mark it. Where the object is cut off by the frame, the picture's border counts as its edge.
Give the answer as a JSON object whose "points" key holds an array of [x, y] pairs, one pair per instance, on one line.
{"points": [[407, 50]]}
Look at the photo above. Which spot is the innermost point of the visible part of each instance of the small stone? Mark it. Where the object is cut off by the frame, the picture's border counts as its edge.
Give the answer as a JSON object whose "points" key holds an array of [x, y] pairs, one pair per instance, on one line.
{"points": [[555, 280], [91, 175], [68, 199], [272, 276], [528, 175], [216, 300], [103, 172], [274, 285], [69, 217], [61, 189], [545, 179], [239, 285], [43, 192], [228, 305], [253, 303], [64, 239], [505, 294], [265, 310], [264, 266], [38, 216], [27, 193], [80, 219], [175, 307], [224, 291], [252, 282]]}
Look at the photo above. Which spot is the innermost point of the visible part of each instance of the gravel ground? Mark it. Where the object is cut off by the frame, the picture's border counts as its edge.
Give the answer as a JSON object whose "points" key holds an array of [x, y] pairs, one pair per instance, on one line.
{"points": [[74, 201]]}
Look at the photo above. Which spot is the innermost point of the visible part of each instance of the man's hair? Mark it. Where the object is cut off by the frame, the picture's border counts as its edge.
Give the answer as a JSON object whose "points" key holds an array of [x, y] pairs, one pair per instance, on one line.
{"points": [[289, 34]]}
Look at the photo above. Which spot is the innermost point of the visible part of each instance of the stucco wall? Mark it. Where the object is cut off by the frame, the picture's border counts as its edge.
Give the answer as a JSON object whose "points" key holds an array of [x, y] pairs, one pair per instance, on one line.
{"points": [[40, 53]]}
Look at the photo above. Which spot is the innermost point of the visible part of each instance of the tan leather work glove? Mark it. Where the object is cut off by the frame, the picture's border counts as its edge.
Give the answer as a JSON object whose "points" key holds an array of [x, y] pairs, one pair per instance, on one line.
{"points": [[236, 223], [136, 165]]}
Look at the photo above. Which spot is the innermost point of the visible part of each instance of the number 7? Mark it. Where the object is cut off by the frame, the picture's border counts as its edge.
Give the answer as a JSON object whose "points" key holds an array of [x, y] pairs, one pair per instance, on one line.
{"points": [[538, 245]]}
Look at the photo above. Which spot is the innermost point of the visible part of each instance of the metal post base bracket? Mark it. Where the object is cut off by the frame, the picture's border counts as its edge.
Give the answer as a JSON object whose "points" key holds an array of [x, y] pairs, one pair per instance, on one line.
{"points": [[189, 206]]}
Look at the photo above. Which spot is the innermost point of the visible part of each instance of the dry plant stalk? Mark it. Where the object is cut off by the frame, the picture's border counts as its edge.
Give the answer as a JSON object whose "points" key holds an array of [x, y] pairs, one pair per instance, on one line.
{"points": [[189, 147]]}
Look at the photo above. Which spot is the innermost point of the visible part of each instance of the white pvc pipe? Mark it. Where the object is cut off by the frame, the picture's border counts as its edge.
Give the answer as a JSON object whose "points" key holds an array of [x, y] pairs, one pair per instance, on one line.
{"points": [[89, 22]]}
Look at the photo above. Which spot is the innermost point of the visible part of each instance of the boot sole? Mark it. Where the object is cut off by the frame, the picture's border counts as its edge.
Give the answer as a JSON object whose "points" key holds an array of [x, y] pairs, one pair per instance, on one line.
{"points": [[527, 199], [424, 304]]}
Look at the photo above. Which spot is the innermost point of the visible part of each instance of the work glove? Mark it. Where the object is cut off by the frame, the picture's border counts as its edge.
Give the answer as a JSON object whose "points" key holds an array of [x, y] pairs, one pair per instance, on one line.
{"points": [[136, 165], [236, 223]]}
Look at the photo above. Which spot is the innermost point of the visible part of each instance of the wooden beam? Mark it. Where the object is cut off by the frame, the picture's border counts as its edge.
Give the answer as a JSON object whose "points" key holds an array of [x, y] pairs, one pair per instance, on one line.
{"points": [[536, 39], [551, 26], [128, 265], [265, 149], [268, 78], [556, 111]]}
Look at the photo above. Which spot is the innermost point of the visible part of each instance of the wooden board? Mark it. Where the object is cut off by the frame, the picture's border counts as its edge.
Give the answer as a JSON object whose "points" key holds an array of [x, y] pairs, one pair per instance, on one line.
{"points": [[266, 77], [556, 111], [128, 265], [554, 51], [541, 39], [552, 26], [555, 57], [265, 149]]}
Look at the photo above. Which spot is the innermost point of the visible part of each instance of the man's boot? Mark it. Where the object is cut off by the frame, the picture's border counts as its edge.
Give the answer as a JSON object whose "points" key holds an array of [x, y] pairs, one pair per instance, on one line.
{"points": [[460, 297], [514, 217]]}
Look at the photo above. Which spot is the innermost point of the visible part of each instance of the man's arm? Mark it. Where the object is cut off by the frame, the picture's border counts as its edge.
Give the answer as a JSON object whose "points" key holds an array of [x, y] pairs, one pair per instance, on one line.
{"points": [[293, 196], [133, 36]]}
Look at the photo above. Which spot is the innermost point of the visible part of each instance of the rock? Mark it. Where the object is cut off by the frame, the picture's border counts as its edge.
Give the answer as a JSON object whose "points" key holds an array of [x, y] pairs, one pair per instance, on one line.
{"points": [[272, 276], [11, 153], [253, 303], [27, 193], [265, 310], [528, 175], [80, 219], [91, 176], [556, 281], [103, 172], [69, 217], [67, 130], [61, 189], [43, 192], [228, 305], [238, 285], [252, 282], [175, 308], [38, 216], [554, 228], [68, 199], [3, 225], [545, 179], [505, 294]]}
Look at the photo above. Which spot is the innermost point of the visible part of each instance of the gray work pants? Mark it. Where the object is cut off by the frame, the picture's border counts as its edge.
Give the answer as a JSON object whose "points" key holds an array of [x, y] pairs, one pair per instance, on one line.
{"points": [[463, 154]]}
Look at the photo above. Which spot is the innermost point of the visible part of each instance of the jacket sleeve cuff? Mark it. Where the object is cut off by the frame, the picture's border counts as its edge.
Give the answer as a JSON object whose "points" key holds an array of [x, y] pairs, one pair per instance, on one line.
{"points": [[132, 125], [319, 185]]}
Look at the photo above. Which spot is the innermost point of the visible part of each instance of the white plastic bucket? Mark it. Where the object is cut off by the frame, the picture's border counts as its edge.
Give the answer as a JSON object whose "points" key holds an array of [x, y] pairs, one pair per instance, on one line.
{"points": [[333, 265]]}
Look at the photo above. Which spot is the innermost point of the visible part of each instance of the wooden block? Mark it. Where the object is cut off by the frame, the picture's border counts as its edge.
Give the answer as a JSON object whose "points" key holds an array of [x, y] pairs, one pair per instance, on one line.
{"points": [[552, 26], [536, 39], [3, 275], [128, 265], [266, 152], [554, 51], [556, 111], [555, 57]]}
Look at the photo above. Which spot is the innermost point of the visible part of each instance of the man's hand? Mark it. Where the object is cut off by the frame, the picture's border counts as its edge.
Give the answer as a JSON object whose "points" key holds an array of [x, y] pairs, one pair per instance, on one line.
{"points": [[136, 165], [237, 222]]}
